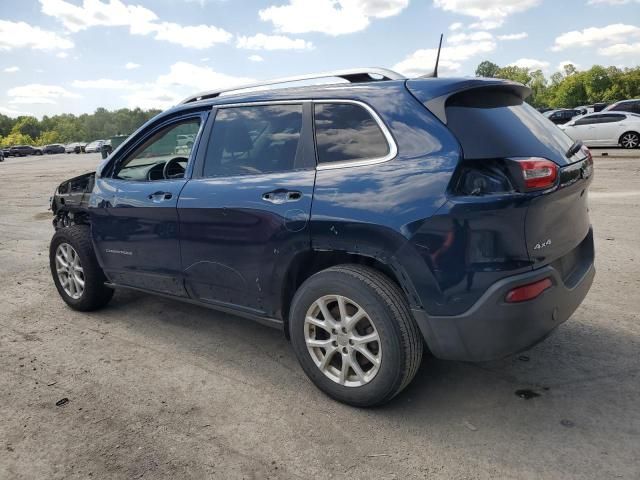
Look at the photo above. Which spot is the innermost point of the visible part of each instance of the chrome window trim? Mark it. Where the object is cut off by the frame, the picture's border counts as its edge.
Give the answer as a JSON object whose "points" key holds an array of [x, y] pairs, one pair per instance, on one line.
{"points": [[391, 143]]}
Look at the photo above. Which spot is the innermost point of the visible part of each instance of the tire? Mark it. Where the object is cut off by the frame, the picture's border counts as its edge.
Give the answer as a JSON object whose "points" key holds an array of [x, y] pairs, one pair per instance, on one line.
{"points": [[398, 348], [94, 294], [630, 140]]}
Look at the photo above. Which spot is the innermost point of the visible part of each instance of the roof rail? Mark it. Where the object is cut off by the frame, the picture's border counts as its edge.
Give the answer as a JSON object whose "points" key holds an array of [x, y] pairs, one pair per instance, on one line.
{"points": [[353, 75]]}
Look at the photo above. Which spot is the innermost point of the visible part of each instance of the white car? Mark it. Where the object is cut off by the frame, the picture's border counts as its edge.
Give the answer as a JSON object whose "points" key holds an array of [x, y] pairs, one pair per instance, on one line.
{"points": [[605, 129]]}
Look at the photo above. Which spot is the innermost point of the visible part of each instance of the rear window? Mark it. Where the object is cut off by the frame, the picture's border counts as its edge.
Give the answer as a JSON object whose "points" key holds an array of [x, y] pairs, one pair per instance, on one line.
{"points": [[493, 123], [347, 132]]}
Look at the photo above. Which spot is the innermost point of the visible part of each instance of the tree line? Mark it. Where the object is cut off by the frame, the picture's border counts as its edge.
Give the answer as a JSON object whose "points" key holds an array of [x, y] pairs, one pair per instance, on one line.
{"points": [[66, 128], [571, 87]]}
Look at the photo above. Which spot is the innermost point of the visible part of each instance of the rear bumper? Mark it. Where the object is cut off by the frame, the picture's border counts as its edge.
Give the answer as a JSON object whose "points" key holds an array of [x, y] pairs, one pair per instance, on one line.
{"points": [[493, 329]]}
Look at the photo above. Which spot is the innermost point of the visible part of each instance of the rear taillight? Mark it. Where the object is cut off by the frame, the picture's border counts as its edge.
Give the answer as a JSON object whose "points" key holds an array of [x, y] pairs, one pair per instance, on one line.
{"points": [[528, 292], [538, 173]]}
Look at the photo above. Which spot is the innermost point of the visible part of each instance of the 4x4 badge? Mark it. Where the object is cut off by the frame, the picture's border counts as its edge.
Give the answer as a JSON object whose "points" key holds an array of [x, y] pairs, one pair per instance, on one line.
{"points": [[542, 245]]}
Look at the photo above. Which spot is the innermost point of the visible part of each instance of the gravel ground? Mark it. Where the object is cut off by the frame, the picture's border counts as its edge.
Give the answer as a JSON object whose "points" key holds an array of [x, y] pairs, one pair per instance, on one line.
{"points": [[160, 389]]}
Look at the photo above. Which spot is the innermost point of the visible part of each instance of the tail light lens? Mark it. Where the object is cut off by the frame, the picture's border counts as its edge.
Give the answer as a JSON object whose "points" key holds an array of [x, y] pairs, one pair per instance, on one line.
{"points": [[528, 292], [538, 173]]}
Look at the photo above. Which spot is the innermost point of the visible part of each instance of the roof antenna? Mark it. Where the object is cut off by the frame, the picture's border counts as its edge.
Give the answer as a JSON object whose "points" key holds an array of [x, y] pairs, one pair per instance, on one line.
{"points": [[435, 69]]}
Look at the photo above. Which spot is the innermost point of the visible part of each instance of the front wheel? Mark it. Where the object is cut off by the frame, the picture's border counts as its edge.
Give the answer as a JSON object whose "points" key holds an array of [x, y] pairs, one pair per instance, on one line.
{"points": [[354, 335], [630, 140], [75, 270]]}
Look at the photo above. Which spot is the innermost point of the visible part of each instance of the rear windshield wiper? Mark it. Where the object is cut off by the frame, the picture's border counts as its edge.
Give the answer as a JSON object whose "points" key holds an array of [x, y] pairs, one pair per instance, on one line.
{"points": [[575, 148]]}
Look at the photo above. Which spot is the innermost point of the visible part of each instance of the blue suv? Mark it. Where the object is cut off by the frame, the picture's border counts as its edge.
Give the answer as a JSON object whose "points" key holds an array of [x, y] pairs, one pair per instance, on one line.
{"points": [[368, 219]]}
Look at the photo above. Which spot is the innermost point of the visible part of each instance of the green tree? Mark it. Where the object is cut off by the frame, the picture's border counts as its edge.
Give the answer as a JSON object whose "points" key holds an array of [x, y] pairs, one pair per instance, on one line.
{"points": [[487, 69], [517, 74], [48, 137], [16, 138], [27, 126]]}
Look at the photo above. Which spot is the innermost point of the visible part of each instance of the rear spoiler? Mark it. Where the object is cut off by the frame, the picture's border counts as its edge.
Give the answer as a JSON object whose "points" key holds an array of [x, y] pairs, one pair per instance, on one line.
{"points": [[434, 93]]}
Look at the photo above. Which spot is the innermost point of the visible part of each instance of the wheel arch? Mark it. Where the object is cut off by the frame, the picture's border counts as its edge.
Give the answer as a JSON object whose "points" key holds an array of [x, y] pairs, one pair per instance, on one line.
{"points": [[313, 261]]}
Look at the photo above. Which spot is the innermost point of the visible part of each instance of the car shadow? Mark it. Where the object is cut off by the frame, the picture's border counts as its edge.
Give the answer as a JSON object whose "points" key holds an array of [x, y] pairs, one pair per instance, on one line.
{"points": [[579, 357]]}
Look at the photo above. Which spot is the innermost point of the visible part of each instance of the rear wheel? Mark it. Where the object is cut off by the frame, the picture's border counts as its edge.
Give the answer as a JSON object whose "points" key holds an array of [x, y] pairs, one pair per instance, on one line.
{"points": [[354, 335], [75, 270], [630, 140]]}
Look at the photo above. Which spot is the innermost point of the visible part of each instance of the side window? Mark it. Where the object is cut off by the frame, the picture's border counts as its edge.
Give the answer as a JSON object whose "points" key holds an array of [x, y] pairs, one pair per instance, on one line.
{"points": [[172, 143], [256, 139], [347, 132], [606, 118], [612, 118], [624, 107], [588, 120]]}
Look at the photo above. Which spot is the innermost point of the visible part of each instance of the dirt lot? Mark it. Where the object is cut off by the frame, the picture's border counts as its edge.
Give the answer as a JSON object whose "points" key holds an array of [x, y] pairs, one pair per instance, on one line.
{"points": [[159, 389]]}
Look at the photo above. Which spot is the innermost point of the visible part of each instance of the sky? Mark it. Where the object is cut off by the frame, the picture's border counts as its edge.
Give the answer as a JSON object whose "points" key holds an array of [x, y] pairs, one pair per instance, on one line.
{"points": [[72, 56]]}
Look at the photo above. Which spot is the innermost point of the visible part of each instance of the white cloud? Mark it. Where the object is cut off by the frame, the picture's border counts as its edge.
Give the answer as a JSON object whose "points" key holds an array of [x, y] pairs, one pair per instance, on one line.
{"points": [[530, 64], [513, 36], [486, 24], [36, 93], [470, 37], [12, 69], [615, 33], [620, 50], [140, 21], [199, 37], [333, 17], [93, 13], [22, 35], [422, 61], [103, 83], [183, 79], [256, 58], [273, 42], [131, 65], [491, 13], [455, 26], [62, 54]]}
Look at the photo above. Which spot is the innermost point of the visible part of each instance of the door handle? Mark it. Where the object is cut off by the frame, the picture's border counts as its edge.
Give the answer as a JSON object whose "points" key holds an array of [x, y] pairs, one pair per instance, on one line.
{"points": [[282, 196], [160, 196]]}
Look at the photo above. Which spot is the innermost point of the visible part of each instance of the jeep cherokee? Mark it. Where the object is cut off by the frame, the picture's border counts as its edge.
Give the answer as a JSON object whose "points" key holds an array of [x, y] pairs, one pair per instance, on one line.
{"points": [[368, 219]]}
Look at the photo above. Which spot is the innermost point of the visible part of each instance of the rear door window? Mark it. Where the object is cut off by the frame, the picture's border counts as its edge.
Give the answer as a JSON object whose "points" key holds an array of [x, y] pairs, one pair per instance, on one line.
{"points": [[255, 139], [347, 132]]}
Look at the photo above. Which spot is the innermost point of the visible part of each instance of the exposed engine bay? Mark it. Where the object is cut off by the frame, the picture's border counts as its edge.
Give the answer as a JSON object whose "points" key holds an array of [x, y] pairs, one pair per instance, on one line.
{"points": [[71, 199]]}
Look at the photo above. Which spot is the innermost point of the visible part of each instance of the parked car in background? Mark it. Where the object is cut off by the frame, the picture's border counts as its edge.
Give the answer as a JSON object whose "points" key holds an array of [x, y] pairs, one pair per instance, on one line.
{"points": [[561, 116], [111, 144], [53, 148], [75, 147], [6, 152], [93, 147], [631, 106], [598, 107], [606, 129], [24, 150], [367, 222]]}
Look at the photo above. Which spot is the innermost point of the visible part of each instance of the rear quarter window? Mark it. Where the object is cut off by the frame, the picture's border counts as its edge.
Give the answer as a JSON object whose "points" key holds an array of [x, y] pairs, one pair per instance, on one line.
{"points": [[347, 132]]}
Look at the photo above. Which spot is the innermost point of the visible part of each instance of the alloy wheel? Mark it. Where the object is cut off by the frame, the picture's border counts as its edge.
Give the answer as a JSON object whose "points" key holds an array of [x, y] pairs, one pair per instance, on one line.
{"points": [[630, 140], [342, 341], [69, 270]]}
